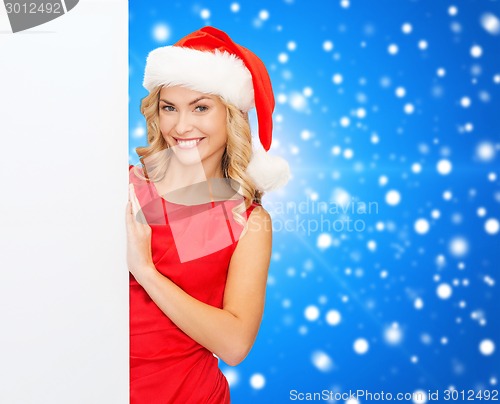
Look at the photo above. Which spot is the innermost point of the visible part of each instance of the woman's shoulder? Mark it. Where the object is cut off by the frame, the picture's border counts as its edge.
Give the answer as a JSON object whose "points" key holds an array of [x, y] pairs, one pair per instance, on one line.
{"points": [[257, 212], [252, 205]]}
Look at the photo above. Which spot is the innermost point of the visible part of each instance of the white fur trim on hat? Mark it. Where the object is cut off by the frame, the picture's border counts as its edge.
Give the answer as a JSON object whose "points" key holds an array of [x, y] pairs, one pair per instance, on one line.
{"points": [[267, 172], [219, 73]]}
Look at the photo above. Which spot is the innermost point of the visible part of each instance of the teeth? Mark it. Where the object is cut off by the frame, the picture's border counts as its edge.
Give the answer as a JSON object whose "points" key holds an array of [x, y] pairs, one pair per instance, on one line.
{"points": [[188, 143]]}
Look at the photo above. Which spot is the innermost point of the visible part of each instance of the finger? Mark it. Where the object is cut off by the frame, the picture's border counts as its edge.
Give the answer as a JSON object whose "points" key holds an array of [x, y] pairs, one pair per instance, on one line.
{"points": [[133, 206], [137, 209], [133, 198], [128, 213], [137, 206]]}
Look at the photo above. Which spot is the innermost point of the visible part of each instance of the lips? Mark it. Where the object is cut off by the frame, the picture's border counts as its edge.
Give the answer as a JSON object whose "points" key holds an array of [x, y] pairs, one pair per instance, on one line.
{"points": [[188, 143]]}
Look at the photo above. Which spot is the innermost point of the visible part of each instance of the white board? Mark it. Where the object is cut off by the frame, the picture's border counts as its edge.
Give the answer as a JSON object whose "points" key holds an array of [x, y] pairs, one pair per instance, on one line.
{"points": [[63, 180]]}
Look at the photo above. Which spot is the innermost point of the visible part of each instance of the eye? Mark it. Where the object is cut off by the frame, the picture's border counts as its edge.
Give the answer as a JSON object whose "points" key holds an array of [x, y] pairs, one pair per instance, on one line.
{"points": [[168, 108], [201, 108]]}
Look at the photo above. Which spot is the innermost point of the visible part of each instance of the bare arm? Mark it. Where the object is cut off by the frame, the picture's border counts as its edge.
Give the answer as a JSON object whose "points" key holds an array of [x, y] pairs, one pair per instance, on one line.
{"points": [[231, 331]]}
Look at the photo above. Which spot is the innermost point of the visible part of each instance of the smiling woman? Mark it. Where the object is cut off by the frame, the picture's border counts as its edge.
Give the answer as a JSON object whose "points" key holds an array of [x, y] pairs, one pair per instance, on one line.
{"points": [[198, 240], [189, 120]]}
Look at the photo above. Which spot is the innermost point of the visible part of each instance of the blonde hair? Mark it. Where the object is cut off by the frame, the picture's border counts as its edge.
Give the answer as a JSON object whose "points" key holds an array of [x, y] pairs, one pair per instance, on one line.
{"points": [[234, 160]]}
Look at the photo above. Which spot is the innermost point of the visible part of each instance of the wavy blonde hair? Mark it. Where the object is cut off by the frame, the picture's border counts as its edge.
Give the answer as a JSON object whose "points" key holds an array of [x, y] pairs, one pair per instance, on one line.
{"points": [[234, 160]]}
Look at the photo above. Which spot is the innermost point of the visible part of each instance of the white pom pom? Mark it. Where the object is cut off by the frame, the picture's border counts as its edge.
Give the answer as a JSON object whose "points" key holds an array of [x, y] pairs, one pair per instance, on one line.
{"points": [[267, 172]]}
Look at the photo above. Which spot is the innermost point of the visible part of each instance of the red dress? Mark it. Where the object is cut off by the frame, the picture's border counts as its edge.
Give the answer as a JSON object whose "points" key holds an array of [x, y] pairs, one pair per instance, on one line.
{"points": [[166, 365]]}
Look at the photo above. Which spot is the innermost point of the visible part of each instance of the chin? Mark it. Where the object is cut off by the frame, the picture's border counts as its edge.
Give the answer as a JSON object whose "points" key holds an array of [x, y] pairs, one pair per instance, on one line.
{"points": [[187, 157]]}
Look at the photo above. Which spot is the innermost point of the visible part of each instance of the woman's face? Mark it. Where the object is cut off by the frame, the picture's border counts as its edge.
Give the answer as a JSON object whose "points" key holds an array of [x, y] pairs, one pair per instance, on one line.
{"points": [[194, 124]]}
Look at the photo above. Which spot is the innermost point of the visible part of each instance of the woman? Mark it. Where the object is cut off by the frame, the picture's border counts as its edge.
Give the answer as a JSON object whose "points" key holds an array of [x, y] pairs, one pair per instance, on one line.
{"points": [[198, 240]]}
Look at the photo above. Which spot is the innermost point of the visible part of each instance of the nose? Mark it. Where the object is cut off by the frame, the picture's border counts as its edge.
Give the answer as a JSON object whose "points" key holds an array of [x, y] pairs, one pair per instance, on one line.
{"points": [[184, 124]]}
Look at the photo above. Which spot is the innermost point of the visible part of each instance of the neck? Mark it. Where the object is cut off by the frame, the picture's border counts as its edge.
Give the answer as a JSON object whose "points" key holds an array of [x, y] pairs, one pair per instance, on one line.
{"points": [[179, 175]]}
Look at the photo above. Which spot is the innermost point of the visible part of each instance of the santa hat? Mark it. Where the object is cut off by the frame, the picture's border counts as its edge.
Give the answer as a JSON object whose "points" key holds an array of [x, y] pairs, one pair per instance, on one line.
{"points": [[209, 61]]}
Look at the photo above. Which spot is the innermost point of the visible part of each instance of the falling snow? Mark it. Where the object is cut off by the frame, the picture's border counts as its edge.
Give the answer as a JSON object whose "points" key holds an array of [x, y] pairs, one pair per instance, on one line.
{"points": [[257, 381], [161, 32], [361, 346], [393, 334], [485, 151], [490, 23], [322, 361], [392, 49], [406, 28], [333, 317], [311, 313], [492, 226], [444, 167], [487, 347], [235, 7], [337, 78], [327, 46], [444, 291], [393, 197], [421, 226]]}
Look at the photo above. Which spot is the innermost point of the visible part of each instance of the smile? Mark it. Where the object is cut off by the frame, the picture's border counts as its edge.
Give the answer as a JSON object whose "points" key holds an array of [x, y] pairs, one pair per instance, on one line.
{"points": [[188, 143]]}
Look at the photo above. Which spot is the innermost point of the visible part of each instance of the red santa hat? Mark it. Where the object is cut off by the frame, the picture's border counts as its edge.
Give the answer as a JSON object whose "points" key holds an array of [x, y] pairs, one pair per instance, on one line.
{"points": [[209, 61]]}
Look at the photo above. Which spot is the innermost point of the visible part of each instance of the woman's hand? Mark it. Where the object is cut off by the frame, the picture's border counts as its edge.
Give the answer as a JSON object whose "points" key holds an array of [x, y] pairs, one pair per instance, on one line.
{"points": [[139, 256]]}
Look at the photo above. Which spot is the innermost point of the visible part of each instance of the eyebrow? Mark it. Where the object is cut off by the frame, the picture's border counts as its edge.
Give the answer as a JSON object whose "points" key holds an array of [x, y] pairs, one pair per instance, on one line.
{"points": [[191, 103]]}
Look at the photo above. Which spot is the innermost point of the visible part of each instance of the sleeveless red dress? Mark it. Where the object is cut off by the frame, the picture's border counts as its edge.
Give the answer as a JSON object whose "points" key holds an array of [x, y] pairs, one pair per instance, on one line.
{"points": [[166, 365]]}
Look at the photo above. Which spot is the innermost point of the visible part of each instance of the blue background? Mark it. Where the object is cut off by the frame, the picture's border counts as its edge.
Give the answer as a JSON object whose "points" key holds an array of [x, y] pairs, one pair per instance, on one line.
{"points": [[384, 129]]}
